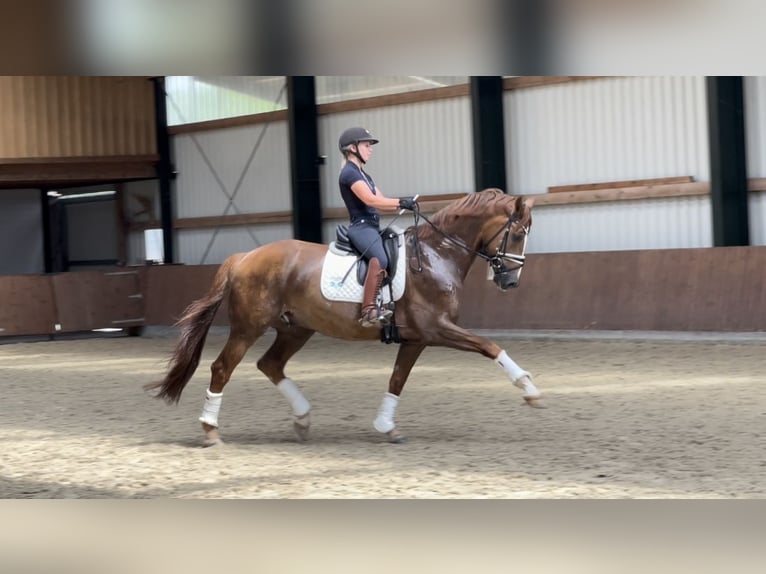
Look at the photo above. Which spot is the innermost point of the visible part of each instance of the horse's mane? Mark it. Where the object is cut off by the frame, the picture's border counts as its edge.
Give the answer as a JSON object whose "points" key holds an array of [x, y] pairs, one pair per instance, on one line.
{"points": [[476, 203]]}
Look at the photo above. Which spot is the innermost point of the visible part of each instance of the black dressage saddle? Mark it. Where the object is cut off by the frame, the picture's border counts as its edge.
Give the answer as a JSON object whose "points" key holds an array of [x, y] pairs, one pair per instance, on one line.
{"points": [[390, 239]]}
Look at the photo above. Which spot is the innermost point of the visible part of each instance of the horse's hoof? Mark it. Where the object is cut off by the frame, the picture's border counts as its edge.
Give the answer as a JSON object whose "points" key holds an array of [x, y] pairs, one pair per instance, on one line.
{"points": [[395, 437], [536, 402], [301, 427], [212, 442], [212, 438]]}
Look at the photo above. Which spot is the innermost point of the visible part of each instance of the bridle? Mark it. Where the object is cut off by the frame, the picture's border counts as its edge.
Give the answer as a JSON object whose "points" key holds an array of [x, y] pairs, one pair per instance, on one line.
{"points": [[496, 260]]}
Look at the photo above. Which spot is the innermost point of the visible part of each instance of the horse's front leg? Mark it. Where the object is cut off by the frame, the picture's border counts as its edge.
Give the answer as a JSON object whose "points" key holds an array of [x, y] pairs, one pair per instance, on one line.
{"points": [[450, 335], [405, 359]]}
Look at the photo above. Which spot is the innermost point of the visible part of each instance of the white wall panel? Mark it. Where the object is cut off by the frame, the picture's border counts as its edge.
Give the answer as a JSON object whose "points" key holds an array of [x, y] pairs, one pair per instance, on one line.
{"points": [[572, 133], [757, 213], [610, 226], [193, 243], [424, 148], [266, 182], [606, 130], [340, 88], [755, 125], [202, 98]]}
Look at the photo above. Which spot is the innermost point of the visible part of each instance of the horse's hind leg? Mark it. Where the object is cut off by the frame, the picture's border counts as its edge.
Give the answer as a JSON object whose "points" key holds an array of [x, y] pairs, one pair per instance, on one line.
{"points": [[221, 370], [384, 421], [272, 364]]}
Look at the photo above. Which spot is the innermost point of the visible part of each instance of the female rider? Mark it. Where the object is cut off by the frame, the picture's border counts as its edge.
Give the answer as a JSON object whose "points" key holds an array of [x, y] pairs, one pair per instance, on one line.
{"points": [[363, 199]]}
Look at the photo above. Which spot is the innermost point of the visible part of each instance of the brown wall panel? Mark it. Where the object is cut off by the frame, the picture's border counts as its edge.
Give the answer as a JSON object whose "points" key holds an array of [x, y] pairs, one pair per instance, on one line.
{"points": [[96, 299], [711, 289], [27, 305], [170, 288], [76, 116]]}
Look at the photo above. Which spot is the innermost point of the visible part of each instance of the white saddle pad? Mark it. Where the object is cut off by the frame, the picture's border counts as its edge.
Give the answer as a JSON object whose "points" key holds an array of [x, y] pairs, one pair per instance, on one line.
{"points": [[336, 267]]}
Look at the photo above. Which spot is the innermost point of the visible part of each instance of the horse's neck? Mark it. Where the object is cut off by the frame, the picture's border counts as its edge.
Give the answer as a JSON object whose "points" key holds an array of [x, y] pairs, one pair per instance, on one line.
{"points": [[456, 246]]}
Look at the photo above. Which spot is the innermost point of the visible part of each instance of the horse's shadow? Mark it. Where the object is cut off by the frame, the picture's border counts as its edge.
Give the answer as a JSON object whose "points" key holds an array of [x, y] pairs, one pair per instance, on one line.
{"points": [[434, 436]]}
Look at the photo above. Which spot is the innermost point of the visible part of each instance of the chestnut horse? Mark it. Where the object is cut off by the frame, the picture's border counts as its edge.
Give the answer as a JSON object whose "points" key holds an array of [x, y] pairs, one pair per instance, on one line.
{"points": [[277, 285]]}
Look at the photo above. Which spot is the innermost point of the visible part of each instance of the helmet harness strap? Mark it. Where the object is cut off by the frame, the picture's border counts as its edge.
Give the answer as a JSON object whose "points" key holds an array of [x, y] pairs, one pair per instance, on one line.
{"points": [[355, 151]]}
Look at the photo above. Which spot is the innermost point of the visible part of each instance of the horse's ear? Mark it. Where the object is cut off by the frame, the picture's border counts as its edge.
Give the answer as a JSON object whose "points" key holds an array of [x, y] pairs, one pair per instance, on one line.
{"points": [[529, 202], [518, 205]]}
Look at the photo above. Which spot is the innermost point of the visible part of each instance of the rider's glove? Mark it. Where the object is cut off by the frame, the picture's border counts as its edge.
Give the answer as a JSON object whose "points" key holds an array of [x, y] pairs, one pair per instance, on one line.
{"points": [[408, 203]]}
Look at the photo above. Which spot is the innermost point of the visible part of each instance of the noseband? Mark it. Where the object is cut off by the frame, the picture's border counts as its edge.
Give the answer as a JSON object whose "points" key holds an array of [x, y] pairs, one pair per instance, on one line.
{"points": [[498, 259]]}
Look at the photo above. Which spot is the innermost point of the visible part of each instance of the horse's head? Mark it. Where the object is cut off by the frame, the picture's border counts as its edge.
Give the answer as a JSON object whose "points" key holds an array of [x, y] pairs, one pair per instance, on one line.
{"points": [[504, 240]]}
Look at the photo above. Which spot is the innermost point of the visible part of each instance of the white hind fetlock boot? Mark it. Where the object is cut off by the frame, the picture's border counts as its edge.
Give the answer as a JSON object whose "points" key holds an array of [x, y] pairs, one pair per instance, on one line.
{"points": [[211, 408], [384, 422], [295, 398], [300, 406], [519, 377]]}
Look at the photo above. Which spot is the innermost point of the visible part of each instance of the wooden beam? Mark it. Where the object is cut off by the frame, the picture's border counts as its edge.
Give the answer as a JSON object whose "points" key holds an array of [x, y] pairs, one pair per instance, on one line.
{"points": [[619, 184], [78, 159], [433, 203], [623, 193], [235, 122], [75, 170], [521, 82], [413, 97]]}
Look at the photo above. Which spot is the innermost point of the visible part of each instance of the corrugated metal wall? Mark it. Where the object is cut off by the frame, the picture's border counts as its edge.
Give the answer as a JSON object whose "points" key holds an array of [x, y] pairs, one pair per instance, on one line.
{"points": [[63, 116], [342, 88], [755, 114], [195, 246], [194, 99], [755, 127], [209, 162], [424, 148], [214, 164], [611, 129], [757, 213], [644, 224], [571, 133], [606, 130]]}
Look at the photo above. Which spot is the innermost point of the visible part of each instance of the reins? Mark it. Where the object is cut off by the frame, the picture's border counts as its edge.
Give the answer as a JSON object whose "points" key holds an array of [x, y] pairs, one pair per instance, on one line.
{"points": [[495, 260]]}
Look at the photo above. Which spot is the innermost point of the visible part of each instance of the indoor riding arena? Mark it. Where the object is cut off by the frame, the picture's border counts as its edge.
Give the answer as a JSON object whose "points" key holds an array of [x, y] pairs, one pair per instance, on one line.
{"points": [[640, 314]]}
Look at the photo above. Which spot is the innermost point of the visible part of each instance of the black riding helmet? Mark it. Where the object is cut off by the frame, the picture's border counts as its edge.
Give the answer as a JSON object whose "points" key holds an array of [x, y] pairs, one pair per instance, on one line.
{"points": [[352, 136]]}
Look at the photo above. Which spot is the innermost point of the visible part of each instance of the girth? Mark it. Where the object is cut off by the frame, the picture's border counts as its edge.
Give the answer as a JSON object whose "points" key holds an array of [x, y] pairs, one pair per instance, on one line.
{"points": [[390, 244]]}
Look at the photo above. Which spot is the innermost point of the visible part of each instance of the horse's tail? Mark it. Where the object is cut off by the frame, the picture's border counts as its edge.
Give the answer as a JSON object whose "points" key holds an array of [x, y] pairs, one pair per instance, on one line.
{"points": [[195, 323]]}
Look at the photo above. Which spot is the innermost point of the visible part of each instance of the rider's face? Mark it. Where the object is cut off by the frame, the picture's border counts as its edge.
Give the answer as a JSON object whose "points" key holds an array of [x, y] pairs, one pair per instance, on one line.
{"points": [[365, 150]]}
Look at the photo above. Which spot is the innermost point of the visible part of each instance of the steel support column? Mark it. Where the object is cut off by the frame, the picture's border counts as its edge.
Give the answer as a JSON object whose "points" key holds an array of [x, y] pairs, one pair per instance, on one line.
{"points": [[304, 158], [728, 162], [488, 132], [165, 170]]}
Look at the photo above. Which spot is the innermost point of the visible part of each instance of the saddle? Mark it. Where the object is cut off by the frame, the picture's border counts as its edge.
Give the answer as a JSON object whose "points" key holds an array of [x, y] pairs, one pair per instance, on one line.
{"points": [[390, 238]]}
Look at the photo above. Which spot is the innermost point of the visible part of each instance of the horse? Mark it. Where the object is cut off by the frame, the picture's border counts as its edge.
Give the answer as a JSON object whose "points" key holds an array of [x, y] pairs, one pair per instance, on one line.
{"points": [[277, 286]]}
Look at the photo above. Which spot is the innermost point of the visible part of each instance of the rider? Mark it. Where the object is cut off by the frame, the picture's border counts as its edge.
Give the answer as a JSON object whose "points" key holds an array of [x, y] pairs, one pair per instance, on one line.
{"points": [[363, 199]]}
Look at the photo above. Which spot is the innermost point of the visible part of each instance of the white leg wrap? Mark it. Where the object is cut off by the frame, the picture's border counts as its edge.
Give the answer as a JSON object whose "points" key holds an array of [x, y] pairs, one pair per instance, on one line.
{"points": [[384, 422], [519, 377], [293, 394], [210, 408]]}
